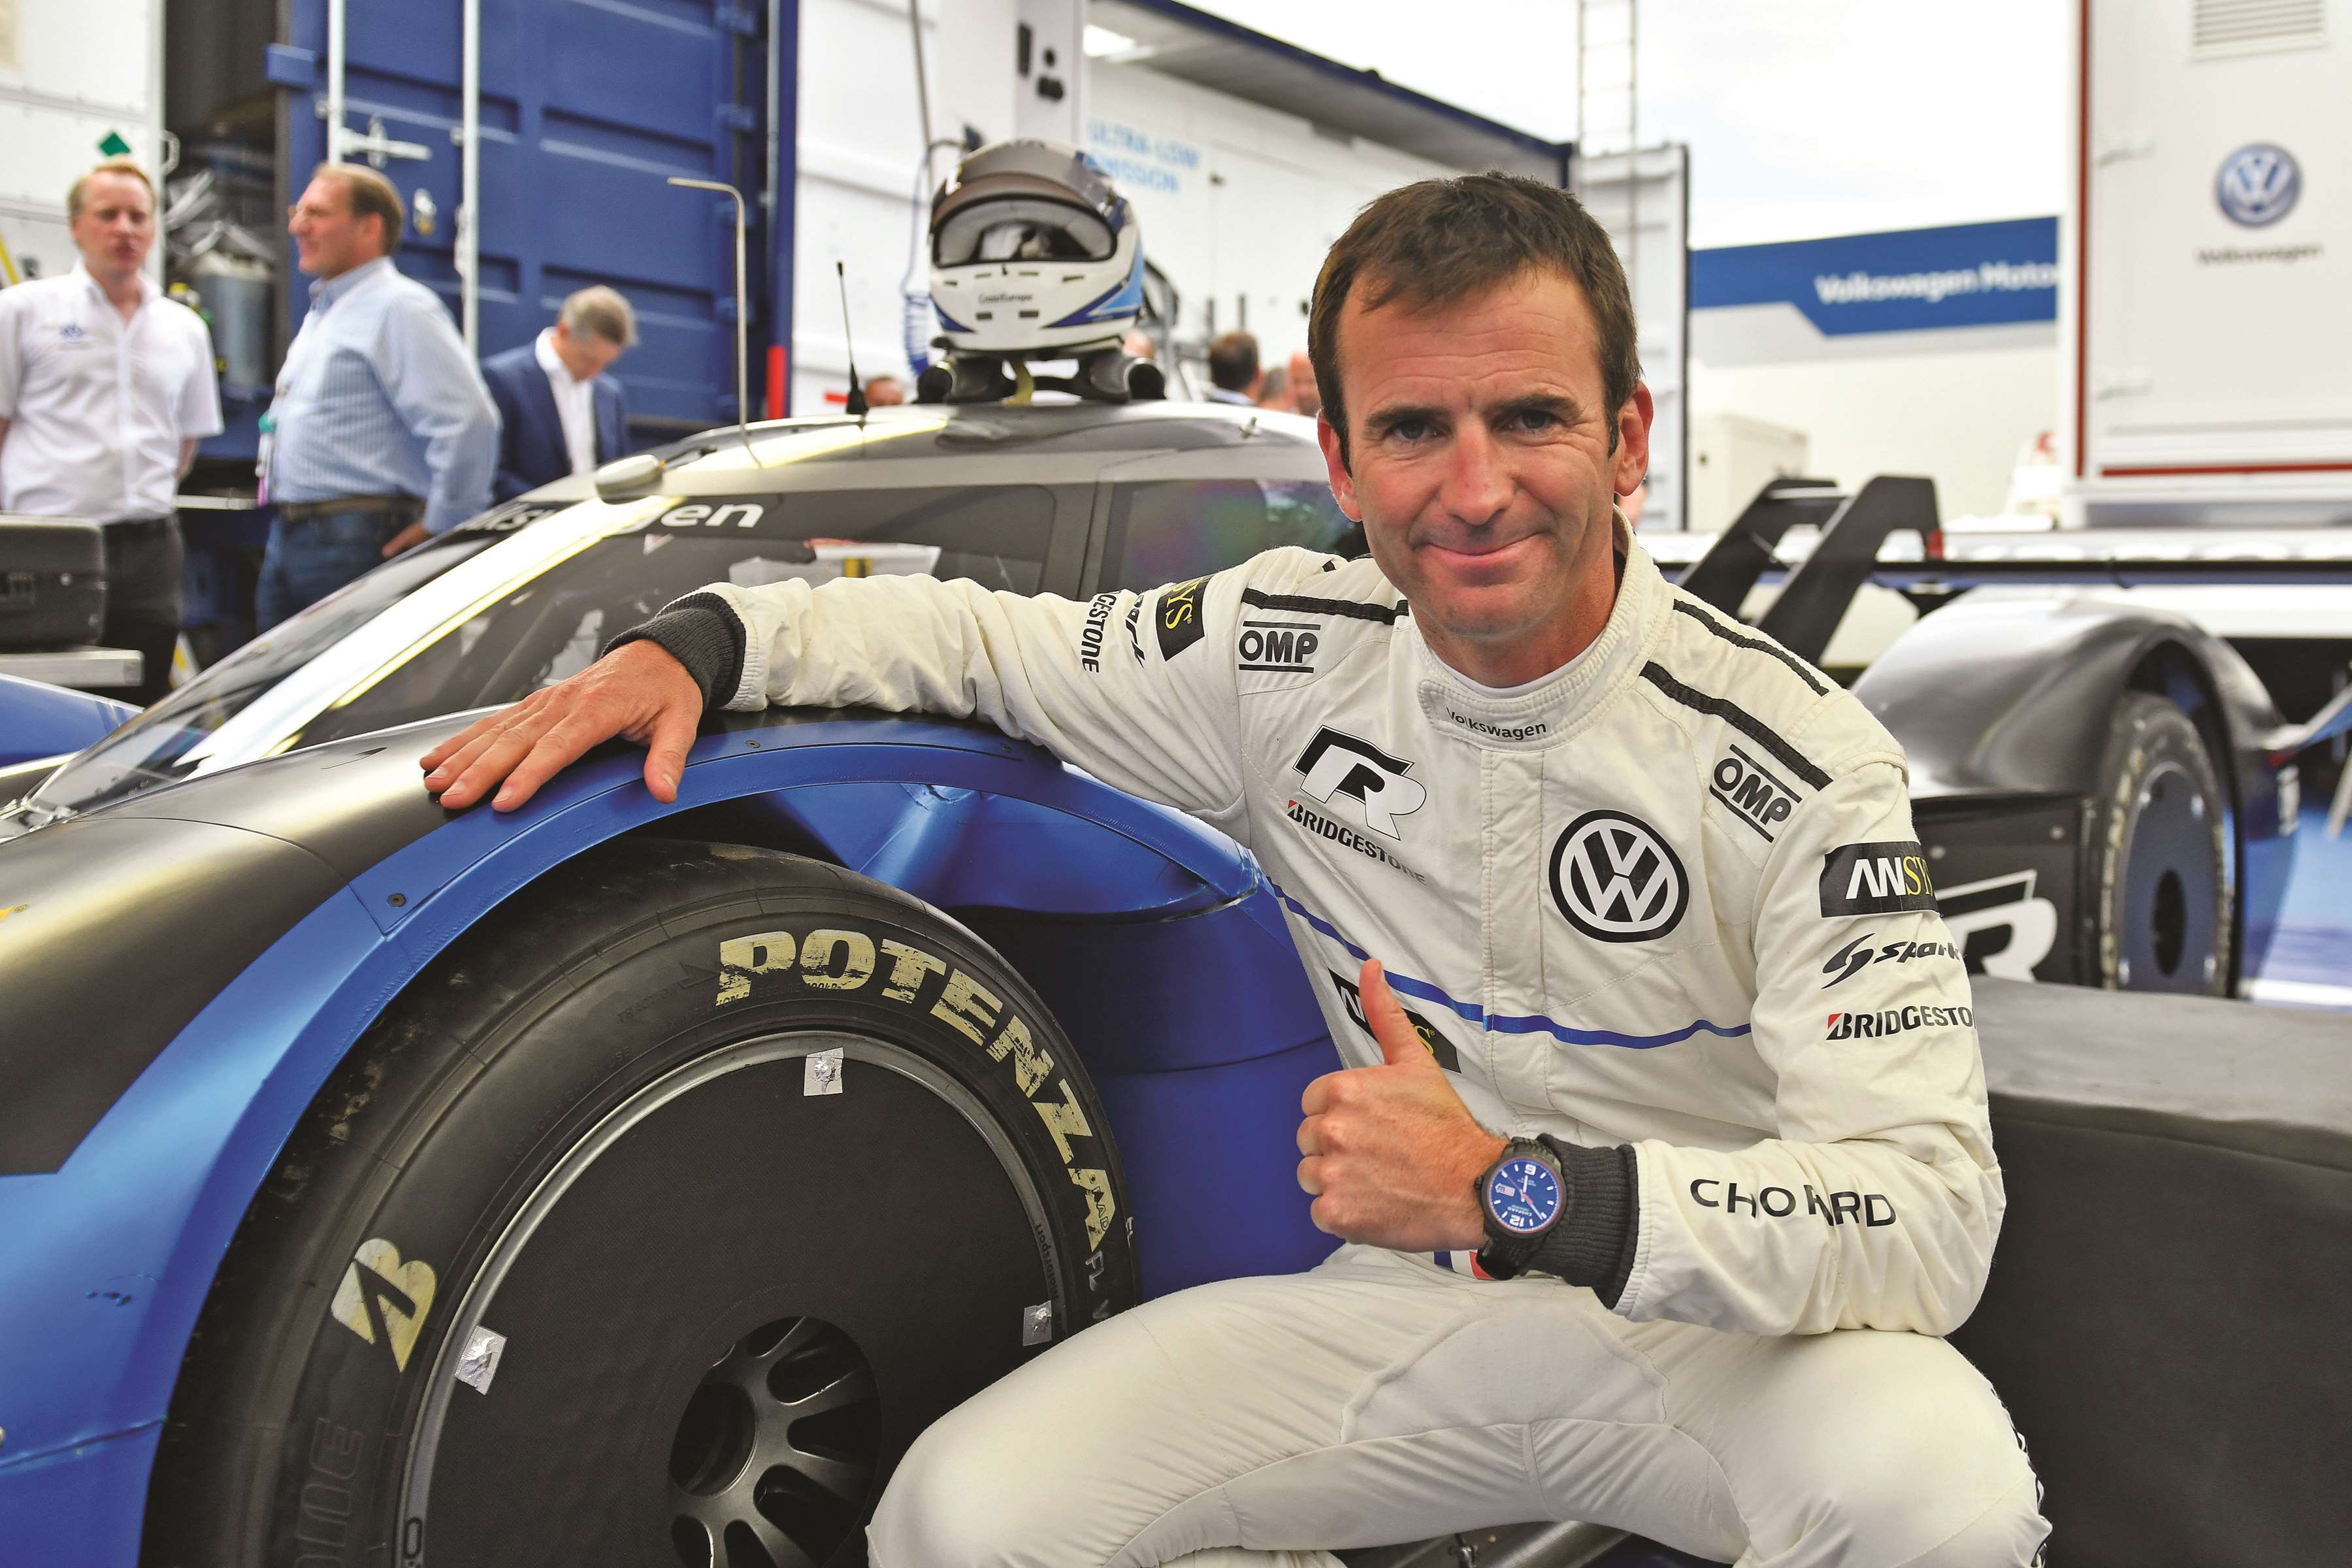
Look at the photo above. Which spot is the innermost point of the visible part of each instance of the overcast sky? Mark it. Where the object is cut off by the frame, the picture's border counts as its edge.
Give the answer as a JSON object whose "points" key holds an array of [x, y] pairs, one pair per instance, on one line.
{"points": [[1804, 117]]}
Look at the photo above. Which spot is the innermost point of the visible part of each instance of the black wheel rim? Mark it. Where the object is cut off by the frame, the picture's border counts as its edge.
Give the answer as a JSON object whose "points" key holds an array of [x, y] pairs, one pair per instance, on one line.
{"points": [[776, 1450], [730, 1408], [2166, 937]]}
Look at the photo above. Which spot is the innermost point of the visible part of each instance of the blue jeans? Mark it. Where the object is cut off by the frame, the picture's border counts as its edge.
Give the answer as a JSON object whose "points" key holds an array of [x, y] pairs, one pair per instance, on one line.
{"points": [[308, 560]]}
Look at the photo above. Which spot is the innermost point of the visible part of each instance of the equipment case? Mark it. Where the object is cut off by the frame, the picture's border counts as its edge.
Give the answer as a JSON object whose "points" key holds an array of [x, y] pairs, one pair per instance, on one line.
{"points": [[52, 582]]}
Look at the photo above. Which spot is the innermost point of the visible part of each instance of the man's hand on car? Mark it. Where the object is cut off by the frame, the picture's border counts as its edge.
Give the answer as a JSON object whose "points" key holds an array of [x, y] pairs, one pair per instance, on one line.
{"points": [[1391, 1151], [637, 691]]}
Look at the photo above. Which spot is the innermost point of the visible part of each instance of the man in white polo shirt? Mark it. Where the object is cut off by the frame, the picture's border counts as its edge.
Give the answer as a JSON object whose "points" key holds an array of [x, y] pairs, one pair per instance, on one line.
{"points": [[105, 389]]}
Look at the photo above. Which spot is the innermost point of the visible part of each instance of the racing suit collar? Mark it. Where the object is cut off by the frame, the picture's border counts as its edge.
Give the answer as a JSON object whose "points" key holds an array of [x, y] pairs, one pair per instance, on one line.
{"points": [[1551, 709]]}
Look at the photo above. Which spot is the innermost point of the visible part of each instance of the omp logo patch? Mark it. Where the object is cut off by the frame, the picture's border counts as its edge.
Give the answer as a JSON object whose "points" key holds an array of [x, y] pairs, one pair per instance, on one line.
{"points": [[1755, 794], [1284, 646], [1336, 763], [1439, 1047], [1616, 880], [383, 1299], [1881, 879], [1856, 956], [1179, 616]]}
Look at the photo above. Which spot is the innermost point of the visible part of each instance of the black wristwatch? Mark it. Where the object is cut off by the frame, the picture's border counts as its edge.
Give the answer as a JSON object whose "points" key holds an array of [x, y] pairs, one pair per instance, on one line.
{"points": [[1520, 1196]]}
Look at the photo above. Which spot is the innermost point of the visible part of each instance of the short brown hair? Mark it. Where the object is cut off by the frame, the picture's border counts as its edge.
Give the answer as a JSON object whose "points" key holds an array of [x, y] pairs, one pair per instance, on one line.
{"points": [[1437, 242], [371, 196], [1233, 362], [603, 311], [75, 192]]}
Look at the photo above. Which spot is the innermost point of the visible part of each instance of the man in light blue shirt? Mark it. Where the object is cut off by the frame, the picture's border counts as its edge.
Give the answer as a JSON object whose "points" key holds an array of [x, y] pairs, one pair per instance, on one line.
{"points": [[382, 433]]}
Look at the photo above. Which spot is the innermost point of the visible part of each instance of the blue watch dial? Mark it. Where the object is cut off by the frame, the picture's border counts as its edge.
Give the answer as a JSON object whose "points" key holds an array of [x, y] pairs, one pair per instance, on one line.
{"points": [[1523, 1195]]}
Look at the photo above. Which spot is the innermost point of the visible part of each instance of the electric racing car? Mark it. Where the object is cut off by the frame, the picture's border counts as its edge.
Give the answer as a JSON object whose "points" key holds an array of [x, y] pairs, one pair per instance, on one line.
{"points": [[618, 1181]]}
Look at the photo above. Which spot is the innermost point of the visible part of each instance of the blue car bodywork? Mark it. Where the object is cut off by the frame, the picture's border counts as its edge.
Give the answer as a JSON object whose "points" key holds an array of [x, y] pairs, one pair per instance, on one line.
{"points": [[1175, 978]]}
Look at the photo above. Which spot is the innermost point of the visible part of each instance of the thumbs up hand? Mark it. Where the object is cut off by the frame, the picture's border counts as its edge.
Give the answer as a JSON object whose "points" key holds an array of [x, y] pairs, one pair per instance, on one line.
{"points": [[1390, 1151]]}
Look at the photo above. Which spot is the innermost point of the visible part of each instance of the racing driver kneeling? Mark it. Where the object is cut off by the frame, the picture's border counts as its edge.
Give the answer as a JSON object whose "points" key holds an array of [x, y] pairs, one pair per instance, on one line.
{"points": [[1660, 1226]]}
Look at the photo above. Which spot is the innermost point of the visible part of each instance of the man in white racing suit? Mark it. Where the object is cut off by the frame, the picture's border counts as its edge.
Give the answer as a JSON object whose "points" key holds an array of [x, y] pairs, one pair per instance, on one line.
{"points": [[1646, 883]]}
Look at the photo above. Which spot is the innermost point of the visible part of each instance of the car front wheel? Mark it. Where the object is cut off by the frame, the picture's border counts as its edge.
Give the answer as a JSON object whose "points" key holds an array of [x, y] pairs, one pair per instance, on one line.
{"points": [[650, 1223]]}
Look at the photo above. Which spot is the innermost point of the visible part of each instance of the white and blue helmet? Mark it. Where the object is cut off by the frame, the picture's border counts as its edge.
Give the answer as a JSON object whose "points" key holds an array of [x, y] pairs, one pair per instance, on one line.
{"points": [[1034, 254]]}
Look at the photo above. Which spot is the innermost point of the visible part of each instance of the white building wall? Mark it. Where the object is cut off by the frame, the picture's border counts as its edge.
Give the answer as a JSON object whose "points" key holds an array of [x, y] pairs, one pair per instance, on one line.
{"points": [[1957, 414], [1238, 202]]}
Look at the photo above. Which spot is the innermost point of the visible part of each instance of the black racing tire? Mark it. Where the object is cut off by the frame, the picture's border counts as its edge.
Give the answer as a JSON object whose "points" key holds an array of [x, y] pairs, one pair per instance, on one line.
{"points": [[734, 1275], [2159, 898]]}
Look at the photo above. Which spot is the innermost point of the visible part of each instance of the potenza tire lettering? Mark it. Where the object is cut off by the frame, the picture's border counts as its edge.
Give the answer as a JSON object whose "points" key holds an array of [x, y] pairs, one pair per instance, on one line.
{"points": [[832, 961], [1616, 879]]}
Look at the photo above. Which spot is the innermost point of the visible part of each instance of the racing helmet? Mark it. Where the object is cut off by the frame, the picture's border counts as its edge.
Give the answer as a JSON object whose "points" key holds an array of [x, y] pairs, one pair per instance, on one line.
{"points": [[1034, 254]]}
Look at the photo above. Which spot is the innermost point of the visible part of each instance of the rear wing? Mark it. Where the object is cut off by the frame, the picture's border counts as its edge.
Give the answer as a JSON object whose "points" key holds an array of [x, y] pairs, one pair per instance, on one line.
{"points": [[1853, 531], [1822, 543]]}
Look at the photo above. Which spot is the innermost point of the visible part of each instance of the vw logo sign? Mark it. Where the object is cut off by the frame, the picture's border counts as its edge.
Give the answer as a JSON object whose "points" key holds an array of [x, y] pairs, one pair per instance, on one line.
{"points": [[1616, 880], [2258, 184]]}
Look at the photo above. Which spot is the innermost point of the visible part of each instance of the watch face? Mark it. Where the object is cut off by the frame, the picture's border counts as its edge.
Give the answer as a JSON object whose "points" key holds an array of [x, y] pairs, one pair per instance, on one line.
{"points": [[1523, 1195]]}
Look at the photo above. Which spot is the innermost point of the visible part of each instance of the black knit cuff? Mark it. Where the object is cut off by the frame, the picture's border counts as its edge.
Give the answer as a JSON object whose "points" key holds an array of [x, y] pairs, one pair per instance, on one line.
{"points": [[1594, 1242], [701, 632]]}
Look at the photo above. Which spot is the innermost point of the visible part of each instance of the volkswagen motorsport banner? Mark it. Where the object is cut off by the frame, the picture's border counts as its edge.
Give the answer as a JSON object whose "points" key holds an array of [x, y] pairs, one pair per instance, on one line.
{"points": [[1968, 276]]}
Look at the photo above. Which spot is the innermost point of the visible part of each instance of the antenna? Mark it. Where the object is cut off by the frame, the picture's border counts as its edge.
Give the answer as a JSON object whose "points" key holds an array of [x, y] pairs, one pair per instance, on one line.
{"points": [[849, 340], [742, 314]]}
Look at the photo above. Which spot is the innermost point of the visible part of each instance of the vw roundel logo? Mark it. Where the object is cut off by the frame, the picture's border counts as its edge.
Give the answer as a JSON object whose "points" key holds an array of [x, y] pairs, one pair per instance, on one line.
{"points": [[2258, 184], [1617, 880]]}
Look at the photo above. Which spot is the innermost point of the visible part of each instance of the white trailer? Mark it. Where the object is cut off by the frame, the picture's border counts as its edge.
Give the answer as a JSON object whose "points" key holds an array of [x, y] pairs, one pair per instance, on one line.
{"points": [[2205, 328], [64, 104]]}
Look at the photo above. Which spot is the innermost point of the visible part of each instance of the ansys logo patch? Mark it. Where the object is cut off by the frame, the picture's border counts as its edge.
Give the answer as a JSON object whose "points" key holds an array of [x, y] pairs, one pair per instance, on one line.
{"points": [[1336, 763], [1881, 879], [1179, 616], [1616, 879]]}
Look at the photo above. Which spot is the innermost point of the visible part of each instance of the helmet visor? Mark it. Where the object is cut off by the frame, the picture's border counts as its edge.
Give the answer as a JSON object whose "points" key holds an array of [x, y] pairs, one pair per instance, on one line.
{"points": [[1014, 228]]}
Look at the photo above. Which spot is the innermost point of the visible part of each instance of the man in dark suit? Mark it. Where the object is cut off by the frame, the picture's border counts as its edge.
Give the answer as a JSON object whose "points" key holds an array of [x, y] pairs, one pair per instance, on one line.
{"points": [[559, 412]]}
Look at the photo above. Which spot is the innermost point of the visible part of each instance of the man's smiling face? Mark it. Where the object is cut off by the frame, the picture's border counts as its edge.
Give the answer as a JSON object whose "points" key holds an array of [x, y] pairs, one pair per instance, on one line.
{"points": [[1480, 461]]}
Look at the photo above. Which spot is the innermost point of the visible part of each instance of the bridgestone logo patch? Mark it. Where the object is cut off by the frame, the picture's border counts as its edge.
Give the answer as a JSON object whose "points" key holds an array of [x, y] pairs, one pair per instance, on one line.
{"points": [[1090, 639], [1891, 1021], [1882, 879], [1322, 827]]}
